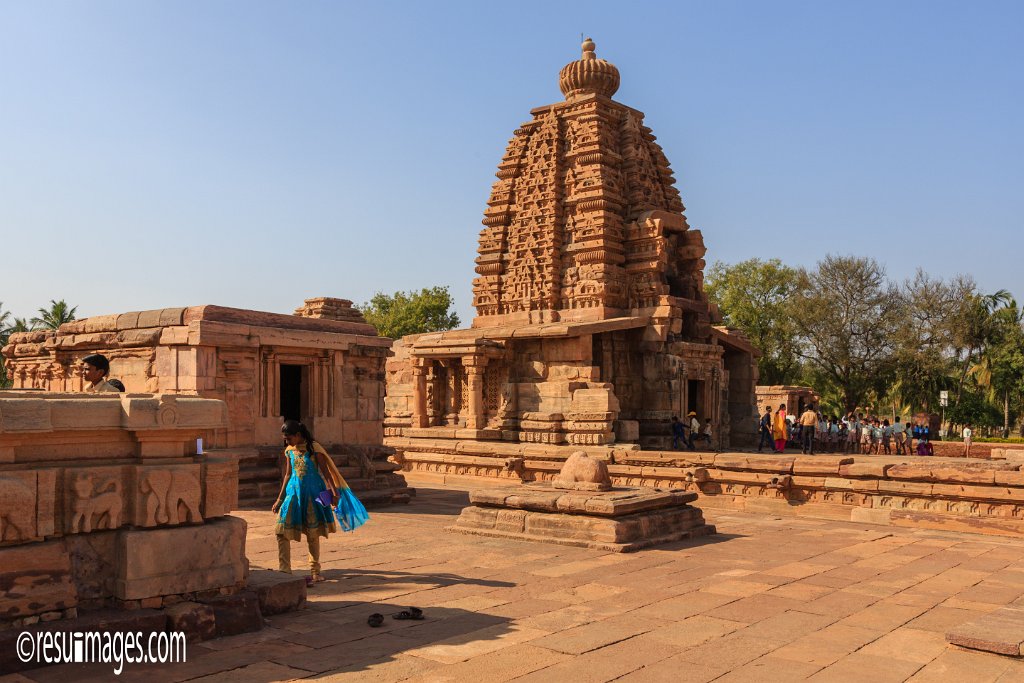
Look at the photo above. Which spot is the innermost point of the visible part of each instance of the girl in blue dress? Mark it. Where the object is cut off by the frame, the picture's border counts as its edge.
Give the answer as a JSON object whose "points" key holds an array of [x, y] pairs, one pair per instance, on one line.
{"points": [[314, 498]]}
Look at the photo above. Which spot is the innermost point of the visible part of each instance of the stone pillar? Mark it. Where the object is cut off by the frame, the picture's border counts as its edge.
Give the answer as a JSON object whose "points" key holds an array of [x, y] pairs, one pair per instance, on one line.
{"points": [[419, 392], [475, 381]]}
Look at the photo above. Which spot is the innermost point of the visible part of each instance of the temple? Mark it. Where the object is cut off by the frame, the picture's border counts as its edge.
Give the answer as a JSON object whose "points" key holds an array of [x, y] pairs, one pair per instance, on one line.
{"points": [[592, 324]]}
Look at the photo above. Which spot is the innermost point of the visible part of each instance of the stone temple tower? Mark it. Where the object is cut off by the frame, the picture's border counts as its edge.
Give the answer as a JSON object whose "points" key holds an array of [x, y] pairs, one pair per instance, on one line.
{"points": [[569, 229], [592, 325]]}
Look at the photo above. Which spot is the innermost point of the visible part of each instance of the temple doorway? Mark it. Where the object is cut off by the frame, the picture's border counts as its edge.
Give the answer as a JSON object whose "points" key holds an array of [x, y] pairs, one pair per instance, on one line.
{"points": [[695, 398], [291, 392]]}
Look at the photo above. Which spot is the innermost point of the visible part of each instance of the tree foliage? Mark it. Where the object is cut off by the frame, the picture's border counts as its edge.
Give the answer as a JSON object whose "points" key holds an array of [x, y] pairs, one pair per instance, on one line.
{"points": [[754, 296], [396, 315], [56, 315], [846, 313]]}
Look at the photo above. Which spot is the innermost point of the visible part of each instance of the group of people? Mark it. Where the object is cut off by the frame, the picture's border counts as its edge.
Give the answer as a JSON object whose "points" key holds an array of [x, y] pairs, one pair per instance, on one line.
{"points": [[853, 433], [690, 432]]}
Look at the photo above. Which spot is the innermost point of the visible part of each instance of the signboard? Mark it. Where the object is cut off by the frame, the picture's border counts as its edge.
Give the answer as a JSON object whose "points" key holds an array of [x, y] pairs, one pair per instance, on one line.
{"points": [[943, 398]]}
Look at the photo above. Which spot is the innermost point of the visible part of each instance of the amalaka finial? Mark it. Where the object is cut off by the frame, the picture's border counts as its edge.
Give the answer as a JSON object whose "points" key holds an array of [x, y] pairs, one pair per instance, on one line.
{"points": [[588, 75]]}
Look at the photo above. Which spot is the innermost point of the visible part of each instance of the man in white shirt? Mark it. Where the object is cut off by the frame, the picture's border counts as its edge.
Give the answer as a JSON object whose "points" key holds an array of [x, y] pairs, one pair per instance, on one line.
{"points": [[968, 435], [694, 429]]}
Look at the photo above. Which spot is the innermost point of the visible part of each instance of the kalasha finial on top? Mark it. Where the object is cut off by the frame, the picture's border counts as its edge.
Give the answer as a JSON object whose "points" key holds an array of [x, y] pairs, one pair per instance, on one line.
{"points": [[588, 75]]}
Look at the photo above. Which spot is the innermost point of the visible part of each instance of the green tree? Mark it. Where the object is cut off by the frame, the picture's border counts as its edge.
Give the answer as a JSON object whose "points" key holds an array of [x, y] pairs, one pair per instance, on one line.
{"points": [[754, 297], [56, 315], [1000, 368], [9, 326], [926, 338], [846, 313], [396, 315]]}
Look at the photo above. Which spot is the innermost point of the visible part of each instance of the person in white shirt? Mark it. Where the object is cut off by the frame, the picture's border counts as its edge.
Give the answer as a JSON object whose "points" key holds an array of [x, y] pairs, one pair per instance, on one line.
{"points": [[694, 429], [968, 433], [900, 436]]}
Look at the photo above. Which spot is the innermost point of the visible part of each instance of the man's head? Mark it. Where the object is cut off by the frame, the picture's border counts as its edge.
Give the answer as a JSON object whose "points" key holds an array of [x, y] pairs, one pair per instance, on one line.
{"points": [[95, 367], [767, 409]]}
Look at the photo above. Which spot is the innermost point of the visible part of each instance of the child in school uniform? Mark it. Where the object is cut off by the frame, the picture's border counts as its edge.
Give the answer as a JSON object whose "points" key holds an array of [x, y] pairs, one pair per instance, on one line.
{"points": [[876, 436]]}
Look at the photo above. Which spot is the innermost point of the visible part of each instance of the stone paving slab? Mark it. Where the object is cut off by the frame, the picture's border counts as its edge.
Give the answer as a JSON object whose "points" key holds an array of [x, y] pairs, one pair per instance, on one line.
{"points": [[1000, 631], [768, 598]]}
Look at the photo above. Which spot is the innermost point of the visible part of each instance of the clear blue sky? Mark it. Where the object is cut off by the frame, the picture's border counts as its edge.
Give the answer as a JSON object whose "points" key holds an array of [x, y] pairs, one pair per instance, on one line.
{"points": [[254, 154]]}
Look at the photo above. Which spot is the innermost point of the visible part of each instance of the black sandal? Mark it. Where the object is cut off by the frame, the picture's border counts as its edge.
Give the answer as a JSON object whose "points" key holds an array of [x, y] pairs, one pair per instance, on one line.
{"points": [[375, 620], [411, 613]]}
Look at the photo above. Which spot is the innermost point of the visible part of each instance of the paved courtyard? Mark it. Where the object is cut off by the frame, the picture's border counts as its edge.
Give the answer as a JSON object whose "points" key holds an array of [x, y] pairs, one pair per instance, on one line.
{"points": [[767, 599]]}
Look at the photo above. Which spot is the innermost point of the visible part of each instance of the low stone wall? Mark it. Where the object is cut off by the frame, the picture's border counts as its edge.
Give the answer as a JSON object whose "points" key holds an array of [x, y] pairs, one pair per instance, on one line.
{"points": [[104, 502], [986, 496]]}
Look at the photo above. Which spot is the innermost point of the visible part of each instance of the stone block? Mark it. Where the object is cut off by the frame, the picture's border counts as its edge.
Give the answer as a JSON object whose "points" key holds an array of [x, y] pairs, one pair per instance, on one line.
{"points": [[25, 415], [220, 486], [864, 469], [35, 578], [195, 620], [627, 431], [238, 613], [277, 592], [18, 505], [128, 321], [93, 564], [170, 561]]}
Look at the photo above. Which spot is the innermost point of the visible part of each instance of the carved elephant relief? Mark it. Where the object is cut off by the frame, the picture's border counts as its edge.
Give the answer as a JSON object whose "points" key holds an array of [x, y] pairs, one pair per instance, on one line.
{"points": [[169, 495]]}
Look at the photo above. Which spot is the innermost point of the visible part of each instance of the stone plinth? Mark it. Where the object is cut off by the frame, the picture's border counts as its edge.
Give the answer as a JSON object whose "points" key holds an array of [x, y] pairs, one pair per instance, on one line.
{"points": [[620, 520], [103, 501]]}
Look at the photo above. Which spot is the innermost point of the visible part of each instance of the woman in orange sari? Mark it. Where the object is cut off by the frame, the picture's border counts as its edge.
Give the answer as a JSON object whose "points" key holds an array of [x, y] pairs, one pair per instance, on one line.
{"points": [[779, 428]]}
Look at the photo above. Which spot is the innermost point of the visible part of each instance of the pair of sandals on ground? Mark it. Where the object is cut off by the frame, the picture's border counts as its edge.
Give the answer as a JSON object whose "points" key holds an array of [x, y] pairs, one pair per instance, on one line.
{"points": [[414, 613]]}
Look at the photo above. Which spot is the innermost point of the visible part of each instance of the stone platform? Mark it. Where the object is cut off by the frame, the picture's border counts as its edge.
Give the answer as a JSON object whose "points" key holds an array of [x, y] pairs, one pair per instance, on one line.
{"points": [[621, 520]]}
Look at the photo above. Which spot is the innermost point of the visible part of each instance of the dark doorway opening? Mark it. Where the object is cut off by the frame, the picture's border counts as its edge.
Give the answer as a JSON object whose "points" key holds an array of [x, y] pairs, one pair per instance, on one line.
{"points": [[695, 397], [291, 392]]}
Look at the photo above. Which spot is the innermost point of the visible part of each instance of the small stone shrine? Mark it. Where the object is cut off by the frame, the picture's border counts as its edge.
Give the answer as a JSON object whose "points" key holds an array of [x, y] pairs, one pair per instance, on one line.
{"points": [[592, 324], [580, 508], [323, 365]]}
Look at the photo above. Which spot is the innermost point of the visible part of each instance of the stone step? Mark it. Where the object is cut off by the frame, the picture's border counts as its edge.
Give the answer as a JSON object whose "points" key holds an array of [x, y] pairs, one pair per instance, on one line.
{"points": [[1000, 632], [277, 592]]}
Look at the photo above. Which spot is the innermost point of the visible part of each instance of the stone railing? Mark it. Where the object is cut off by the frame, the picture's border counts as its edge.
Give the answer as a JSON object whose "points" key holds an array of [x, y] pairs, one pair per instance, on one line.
{"points": [[986, 496]]}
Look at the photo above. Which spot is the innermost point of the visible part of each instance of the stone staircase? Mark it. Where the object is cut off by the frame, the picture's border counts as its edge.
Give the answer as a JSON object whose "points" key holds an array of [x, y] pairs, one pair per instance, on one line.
{"points": [[374, 479]]}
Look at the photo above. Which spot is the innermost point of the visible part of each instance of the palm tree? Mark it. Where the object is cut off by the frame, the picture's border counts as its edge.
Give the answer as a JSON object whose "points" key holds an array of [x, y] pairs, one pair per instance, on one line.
{"points": [[1000, 366], [57, 315], [21, 325], [985, 314]]}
